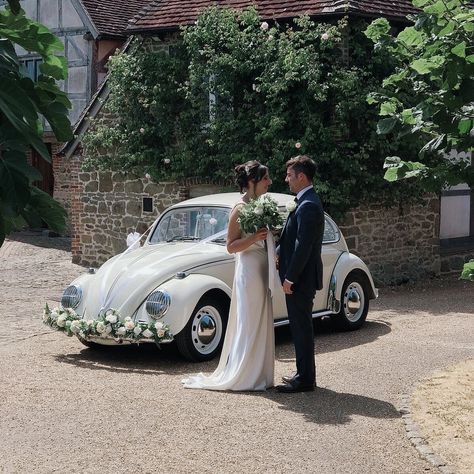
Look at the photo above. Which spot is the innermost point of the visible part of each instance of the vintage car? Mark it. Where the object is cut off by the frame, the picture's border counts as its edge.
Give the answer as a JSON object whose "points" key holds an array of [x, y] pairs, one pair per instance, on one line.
{"points": [[182, 276]]}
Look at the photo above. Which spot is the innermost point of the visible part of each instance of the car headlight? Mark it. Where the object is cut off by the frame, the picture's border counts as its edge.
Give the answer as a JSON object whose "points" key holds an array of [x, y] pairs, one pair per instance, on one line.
{"points": [[71, 297], [158, 303]]}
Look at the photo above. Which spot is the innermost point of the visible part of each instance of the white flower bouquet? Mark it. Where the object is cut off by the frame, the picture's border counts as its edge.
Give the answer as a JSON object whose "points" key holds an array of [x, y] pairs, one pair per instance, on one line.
{"points": [[259, 213], [107, 325]]}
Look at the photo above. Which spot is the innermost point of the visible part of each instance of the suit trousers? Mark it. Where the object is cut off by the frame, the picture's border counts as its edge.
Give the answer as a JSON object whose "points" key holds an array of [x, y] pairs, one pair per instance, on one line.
{"points": [[300, 307]]}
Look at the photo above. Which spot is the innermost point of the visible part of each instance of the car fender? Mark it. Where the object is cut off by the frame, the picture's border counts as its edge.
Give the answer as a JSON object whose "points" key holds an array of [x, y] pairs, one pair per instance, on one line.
{"points": [[347, 263], [185, 292]]}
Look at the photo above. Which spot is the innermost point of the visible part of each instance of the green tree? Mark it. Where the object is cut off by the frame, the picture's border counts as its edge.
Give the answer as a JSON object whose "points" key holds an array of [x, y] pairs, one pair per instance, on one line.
{"points": [[431, 93], [23, 103]]}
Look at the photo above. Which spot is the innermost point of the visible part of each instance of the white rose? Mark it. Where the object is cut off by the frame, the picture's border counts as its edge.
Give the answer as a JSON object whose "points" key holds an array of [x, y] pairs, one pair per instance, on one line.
{"points": [[212, 221], [121, 331], [54, 314], [137, 330], [324, 37], [142, 130], [160, 333], [90, 322], [159, 325], [111, 318], [290, 206], [166, 161], [100, 327], [148, 176], [108, 329], [61, 322], [297, 145], [258, 210], [75, 326], [147, 333], [129, 325], [264, 26]]}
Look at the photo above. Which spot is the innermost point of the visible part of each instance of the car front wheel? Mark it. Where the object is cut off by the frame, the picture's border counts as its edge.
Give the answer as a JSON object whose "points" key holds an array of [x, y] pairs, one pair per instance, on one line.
{"points": [[203, 336], [354, 303]]}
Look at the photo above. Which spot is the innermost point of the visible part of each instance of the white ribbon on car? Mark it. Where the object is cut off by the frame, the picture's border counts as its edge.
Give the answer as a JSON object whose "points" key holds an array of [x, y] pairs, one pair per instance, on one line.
{"points": [[107, 296], [273, 276]]}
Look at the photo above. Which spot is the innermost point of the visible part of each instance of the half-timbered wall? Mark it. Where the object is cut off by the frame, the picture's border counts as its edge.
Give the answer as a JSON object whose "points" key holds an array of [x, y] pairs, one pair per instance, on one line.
{"points": [[62, 19]]}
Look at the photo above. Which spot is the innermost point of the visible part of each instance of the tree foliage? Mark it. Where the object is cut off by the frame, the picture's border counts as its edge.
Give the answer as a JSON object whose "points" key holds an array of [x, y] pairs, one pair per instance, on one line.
{"points": [[23, 103], [235, 88], [431, 92]]}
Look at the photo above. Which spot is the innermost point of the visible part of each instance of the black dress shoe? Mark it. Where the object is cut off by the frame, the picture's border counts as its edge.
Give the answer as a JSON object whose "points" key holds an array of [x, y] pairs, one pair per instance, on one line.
{"points": [[289, 378], [295, 387]]}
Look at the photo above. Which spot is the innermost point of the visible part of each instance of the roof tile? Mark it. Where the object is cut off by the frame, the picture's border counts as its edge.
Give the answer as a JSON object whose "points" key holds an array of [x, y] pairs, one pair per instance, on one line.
{"points": [[110, 17], [169, 14]]}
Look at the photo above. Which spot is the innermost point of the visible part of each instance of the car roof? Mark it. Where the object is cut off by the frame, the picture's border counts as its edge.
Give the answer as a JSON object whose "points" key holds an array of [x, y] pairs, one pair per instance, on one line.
{"points": [[228, 200]]}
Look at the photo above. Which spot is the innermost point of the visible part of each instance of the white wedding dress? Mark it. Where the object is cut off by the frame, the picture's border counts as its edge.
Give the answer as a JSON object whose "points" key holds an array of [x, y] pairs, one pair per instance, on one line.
{"points": [[248, 354]]}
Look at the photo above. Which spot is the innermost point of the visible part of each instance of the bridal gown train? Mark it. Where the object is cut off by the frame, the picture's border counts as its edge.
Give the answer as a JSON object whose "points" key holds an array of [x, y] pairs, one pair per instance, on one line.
{"points": [[248, 353]]}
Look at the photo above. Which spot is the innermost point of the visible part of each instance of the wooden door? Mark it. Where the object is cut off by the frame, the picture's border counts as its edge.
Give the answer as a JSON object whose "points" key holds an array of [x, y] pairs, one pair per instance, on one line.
{"points": [[46, 170]]}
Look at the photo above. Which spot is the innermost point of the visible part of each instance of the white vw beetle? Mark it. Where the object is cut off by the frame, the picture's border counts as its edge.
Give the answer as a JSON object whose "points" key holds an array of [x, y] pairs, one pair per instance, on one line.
{"points": [[182, 276]]}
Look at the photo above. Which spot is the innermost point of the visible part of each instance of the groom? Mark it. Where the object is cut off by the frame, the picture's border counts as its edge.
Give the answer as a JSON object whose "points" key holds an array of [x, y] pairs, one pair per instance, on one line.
{"points": [[301, 268]]}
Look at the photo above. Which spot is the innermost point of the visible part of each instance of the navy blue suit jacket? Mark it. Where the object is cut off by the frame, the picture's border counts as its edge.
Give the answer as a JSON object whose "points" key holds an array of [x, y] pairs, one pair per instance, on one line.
{"points": [[301, 243]]}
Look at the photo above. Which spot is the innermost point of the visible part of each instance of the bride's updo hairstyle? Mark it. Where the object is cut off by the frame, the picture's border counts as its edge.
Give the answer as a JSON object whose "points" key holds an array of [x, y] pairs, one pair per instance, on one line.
{"points": [[251, 171]]}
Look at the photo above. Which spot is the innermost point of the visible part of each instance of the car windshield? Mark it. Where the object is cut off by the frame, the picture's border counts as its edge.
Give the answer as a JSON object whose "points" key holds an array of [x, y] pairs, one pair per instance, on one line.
{"points": [[191, 223]]}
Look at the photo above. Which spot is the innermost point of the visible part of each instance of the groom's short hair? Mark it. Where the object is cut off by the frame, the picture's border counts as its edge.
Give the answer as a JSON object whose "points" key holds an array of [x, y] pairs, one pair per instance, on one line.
{"points": [[302, 164]]}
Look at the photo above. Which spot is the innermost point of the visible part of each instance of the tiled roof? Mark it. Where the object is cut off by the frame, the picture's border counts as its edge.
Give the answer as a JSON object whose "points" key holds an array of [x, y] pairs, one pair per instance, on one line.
{"points": [[169, 14], [110, 17]]}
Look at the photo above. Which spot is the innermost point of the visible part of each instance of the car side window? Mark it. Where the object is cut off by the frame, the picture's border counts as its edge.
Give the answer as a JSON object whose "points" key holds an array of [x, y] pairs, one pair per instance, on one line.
{"points": [[331, 232]]}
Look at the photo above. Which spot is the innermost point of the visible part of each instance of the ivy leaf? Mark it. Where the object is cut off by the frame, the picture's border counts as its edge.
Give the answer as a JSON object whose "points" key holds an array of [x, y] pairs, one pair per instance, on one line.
{"points": [[420, 3], [394, 78], [411, 37], [407, 117], [425, 66], [470, 58], [436, 8], [385, 126], [460, 49], [388, 108], [464, 126], [377, 29]]}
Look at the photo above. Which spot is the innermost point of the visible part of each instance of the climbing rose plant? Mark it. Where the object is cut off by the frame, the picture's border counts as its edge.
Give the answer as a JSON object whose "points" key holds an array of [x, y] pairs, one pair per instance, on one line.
{"points": [[234, 88]]}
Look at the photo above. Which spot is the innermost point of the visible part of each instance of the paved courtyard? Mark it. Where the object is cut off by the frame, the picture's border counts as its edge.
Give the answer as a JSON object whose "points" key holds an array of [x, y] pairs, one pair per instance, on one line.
{"points": [[66, 408]]}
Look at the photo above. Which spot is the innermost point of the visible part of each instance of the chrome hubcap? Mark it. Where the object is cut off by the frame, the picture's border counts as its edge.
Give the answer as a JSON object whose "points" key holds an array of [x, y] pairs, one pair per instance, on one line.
{"points": [[354, 301], [206, 329]]}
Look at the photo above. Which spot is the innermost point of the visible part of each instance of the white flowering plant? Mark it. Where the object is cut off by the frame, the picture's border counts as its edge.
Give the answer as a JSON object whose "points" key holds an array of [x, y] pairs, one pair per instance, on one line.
{"points": [[260, 213], [106, 325]]}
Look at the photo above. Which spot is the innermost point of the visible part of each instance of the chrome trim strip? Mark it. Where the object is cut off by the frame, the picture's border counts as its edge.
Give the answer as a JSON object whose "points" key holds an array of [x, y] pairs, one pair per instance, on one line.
{"points": [[285, 322]]}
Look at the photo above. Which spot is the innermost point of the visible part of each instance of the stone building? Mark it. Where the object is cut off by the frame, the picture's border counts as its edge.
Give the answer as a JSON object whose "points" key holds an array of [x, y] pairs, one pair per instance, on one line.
{"points": [[398, 246]]}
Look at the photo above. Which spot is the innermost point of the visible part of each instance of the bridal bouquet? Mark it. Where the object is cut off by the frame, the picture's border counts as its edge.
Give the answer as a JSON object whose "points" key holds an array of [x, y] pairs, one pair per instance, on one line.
{"points": [[259, 213]]}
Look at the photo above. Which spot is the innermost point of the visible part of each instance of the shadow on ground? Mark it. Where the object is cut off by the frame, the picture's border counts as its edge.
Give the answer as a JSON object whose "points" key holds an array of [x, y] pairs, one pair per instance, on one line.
{"points": [[147, 358], [324, 406], [36, 238]]}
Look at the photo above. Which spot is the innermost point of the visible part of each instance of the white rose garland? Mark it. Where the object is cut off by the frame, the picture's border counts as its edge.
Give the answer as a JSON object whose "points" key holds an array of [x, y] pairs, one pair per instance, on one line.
{"points": [[106, 326]]}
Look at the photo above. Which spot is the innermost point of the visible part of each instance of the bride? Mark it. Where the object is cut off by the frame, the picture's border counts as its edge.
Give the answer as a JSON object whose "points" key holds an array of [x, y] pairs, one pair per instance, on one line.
{"points": [[248, 353]]}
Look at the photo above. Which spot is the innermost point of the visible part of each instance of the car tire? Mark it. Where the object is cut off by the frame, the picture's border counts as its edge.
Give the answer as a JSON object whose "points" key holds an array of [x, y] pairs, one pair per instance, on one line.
{"points": [[354, 303], [203, 336]]}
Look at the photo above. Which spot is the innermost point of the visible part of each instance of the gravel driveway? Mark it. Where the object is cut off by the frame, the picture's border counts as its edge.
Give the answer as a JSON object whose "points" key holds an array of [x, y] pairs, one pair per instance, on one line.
{"points": [[66, 408]]}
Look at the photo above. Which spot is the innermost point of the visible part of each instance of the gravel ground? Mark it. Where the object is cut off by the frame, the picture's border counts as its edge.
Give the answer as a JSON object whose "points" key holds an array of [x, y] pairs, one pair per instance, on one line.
{"points": [[67, 408]]}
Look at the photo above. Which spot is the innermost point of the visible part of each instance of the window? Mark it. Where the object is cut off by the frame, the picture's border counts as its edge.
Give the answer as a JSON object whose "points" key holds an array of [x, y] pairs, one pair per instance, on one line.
{"points": [[190, 223], [331, 232], [31, 67]]}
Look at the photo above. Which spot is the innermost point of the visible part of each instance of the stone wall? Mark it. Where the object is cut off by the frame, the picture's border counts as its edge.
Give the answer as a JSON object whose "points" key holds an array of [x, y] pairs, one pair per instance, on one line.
{"points": [[108, 206], [398, 245]]}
